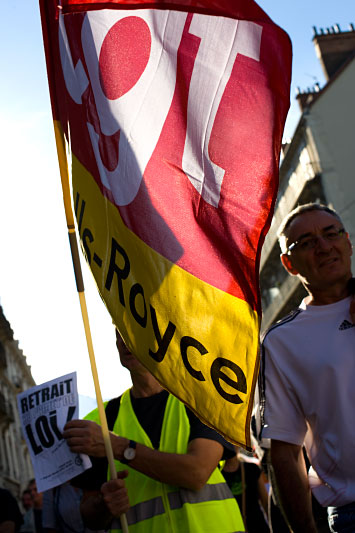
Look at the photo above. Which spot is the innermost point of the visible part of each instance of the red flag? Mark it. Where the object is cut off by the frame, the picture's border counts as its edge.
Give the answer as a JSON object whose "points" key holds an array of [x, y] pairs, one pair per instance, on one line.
{"points": [[174, 113]]}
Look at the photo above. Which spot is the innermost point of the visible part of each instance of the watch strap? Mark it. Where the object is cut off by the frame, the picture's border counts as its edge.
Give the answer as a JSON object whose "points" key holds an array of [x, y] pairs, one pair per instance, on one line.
{"points": [[132, 445]]}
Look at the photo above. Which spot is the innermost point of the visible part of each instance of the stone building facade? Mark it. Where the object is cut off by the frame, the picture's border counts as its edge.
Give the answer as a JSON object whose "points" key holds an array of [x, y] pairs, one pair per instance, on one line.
{"points": [[15, 376], [317, 165]]}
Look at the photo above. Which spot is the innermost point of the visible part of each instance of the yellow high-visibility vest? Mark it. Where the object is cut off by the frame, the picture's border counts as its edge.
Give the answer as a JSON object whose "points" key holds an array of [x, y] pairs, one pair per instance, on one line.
{"points": [[161, 508]]}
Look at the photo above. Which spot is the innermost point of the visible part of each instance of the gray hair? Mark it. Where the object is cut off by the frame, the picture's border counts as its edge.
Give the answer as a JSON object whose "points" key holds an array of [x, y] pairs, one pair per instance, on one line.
{"points": [[282, 233]]}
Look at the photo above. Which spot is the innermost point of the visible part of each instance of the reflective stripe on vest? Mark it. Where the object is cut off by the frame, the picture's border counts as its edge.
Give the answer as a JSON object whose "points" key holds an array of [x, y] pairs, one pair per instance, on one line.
{"points": [[141, 511], [154, 507], [219, 491]]}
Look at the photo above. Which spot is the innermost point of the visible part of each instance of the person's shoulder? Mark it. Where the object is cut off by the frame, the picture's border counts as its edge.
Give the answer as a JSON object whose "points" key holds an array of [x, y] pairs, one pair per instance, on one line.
{"points": [[92, 415], [280, 326], [7, 496], [199, 429], [108, 405]]}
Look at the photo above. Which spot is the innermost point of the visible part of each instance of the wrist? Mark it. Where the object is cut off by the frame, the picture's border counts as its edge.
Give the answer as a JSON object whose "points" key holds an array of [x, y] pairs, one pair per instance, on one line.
{"points": [[119, 446], [104, 512], [95, 513], [129, 453]]}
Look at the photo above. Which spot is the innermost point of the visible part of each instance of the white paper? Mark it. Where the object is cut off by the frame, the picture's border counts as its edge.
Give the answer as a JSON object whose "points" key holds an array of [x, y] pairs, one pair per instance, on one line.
{"points": [[44, 410]]}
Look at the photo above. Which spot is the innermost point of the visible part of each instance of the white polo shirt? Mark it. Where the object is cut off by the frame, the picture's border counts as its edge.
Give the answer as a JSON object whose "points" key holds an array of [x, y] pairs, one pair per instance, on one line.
{"points": [[308, 376]]}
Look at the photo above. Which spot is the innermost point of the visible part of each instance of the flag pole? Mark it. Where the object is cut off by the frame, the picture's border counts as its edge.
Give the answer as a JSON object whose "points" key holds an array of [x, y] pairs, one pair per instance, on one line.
{"points": [[64, 176]]}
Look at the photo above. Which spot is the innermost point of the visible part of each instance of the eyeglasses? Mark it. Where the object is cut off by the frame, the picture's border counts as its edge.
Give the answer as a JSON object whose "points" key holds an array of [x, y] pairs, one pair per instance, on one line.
{"points": [[308, 243]]}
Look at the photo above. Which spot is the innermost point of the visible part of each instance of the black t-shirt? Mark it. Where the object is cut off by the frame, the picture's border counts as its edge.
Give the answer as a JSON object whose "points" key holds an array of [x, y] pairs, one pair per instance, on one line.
{"points": [[254, 516], [9, 509], [150, 414]]}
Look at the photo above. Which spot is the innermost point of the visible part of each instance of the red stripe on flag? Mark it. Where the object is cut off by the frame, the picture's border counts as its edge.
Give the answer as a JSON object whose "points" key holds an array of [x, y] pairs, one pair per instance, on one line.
{"points": [[239, 9]]}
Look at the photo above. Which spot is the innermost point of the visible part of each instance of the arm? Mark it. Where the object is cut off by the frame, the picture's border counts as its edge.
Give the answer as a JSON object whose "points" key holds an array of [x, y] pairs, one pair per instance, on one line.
{"points": [[7, 527], [11, 517], [190, 470], [99, 508], [262, 492], [94, 512], [292, 481]]}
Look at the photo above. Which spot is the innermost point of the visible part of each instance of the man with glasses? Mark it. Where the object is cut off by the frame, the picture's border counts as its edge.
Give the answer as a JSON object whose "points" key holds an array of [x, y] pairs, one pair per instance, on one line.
{"points": [[307, 379]]}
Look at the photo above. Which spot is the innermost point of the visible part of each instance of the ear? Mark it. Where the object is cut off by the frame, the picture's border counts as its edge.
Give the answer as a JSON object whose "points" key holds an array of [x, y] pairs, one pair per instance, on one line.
{"points": [[287, 263], [349, 243]]}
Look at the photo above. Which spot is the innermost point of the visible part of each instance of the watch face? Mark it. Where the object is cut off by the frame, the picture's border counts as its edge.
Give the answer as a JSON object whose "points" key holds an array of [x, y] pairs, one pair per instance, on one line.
{"points": [[129, 454]]}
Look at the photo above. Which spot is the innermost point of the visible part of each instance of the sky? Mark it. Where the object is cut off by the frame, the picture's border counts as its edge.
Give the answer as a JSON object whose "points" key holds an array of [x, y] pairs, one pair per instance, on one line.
{"points": [[37, 287]]}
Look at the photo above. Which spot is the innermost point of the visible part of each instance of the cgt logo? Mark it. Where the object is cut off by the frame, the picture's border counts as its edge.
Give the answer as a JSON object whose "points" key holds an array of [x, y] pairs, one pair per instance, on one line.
{"points": [[131, 64]]}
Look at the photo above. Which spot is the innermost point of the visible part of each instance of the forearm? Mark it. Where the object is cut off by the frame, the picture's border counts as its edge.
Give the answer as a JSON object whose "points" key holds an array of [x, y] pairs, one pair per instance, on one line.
{"points": [[7, 527], [94, 512], [293, 487], [190, 470], [262, 493], [170, 468]]}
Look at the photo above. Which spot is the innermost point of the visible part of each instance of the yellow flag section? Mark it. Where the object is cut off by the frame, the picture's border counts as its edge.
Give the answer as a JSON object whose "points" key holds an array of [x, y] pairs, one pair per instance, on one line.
{"points": [[198, 341]]}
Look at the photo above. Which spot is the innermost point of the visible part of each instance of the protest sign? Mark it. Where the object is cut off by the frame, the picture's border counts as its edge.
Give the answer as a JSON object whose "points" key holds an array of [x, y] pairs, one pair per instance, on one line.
{"points": [[44, 410], [173, 113]]}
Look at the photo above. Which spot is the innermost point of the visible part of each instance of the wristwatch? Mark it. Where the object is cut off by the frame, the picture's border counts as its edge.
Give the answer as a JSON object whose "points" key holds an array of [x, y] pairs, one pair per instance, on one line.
{"points": [[129, 453]]}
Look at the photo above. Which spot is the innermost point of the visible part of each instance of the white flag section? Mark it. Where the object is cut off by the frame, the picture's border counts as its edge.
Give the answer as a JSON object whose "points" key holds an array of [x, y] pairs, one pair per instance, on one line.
{"points": [[44, 410]]}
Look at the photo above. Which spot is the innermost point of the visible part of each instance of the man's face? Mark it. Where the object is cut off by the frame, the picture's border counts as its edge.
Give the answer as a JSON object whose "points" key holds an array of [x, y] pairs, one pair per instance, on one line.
{"points": [[328, 262], [36, 496], [26, 500], [128, 360], [33, 490]]}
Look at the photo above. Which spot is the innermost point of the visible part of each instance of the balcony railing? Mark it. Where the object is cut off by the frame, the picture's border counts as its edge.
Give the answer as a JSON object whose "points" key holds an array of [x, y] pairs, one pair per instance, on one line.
{"points": [[3, 362], [6, 411], [305, 171]]}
